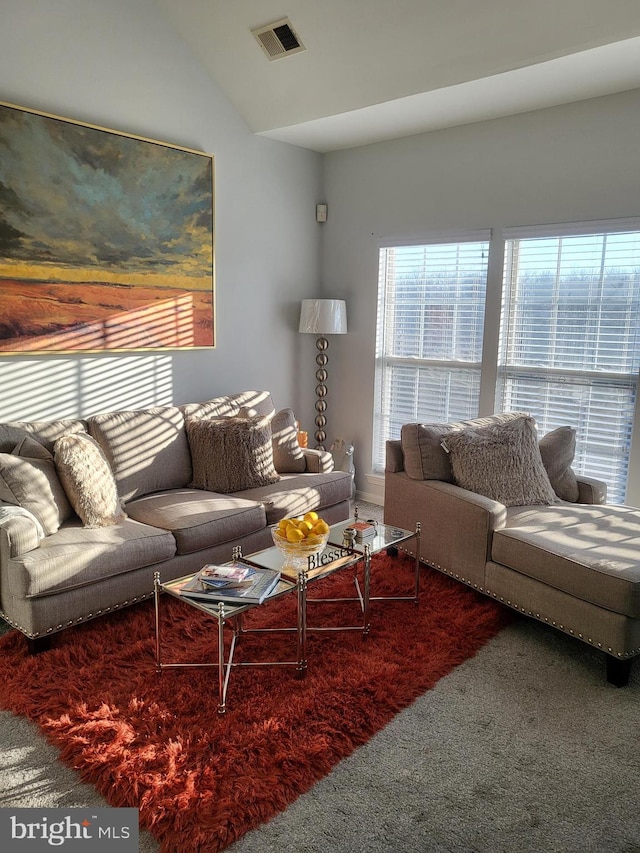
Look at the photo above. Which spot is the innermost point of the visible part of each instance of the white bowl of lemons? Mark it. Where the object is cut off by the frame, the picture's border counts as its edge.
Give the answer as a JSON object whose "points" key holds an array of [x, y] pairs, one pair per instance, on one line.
{"points": [[301, 537]]}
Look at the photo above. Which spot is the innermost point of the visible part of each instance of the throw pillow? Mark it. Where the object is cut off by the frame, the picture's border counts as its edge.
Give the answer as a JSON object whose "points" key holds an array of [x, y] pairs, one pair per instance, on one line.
{"points": [[288, 457], [557, 449], [502, 462], [424, 455], [88, 480], [231, 454], [28, 478]]}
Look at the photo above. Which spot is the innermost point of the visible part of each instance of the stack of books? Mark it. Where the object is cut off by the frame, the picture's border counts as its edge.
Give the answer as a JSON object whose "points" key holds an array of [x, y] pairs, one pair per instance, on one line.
{"points": [[231, 583], [364, 530]]}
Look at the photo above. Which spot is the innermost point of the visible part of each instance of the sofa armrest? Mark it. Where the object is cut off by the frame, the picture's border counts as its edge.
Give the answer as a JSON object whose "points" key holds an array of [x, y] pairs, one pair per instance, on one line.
{"points": [[18, 535], [456, 525], [317, 461], [591, 491], [394, 457]]}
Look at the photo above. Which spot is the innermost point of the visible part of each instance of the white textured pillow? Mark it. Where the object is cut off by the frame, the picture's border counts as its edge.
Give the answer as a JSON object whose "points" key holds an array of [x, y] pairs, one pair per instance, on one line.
{"points": [[88, 480], [502, 462]]}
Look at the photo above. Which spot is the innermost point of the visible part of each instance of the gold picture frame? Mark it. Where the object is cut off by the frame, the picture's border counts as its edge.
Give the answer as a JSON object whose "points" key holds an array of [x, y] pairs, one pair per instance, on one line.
{"points": [[106, 239]]}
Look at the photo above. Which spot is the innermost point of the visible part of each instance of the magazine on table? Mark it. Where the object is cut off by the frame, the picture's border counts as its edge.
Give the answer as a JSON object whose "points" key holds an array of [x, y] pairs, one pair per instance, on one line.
{"points": [[256, 585], [222, 577]]}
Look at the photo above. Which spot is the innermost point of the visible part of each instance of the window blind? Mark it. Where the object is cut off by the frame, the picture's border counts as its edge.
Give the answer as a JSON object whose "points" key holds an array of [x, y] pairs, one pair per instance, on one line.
{"points": [[570, 340], [431, 301]]}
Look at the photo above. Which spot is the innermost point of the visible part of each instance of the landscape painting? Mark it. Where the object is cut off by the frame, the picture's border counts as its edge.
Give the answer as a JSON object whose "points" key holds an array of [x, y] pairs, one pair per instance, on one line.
{"points": [[106, 239]]}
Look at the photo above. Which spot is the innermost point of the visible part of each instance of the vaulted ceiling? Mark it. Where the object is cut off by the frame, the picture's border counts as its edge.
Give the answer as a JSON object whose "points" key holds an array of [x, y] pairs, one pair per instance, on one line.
{"points": [[377, 69]]}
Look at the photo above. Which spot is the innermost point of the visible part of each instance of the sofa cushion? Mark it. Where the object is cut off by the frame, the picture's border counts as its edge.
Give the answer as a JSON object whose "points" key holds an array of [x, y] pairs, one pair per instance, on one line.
{"points": [[591, 552], [501, 461], [77, 556], [288, 457], [424, 456], [88, 480], [28, 478], [231, 454], [557, 449], [199, 519], [255, 402], [146, 449], [296, 494], [44, 432]]}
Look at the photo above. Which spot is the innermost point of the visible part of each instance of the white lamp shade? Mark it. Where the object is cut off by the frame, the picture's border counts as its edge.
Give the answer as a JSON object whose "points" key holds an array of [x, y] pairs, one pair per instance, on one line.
{"points": [[323, 316]]}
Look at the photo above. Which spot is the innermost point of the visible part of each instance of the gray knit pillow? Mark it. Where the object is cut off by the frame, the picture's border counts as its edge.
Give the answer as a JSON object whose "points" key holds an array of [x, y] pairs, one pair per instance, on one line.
{"points": [[231, 454], [557, 449], [288, 457], [88, 480], [502, 462]]}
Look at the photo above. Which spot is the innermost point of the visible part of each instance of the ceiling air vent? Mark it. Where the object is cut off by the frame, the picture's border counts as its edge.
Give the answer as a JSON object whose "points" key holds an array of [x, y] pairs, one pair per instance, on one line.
{"points": [[278, 39]]}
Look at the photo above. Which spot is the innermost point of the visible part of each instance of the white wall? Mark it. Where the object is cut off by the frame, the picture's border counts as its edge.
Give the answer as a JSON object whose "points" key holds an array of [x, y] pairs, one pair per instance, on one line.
{"points": [[568, 163], [118, 64]]}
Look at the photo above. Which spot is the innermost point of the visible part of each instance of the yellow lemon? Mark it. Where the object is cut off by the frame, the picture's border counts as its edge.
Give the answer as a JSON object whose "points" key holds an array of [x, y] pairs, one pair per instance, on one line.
{"points": [[283, 524], [312, 517], [294, 535], [305, 526], [321, 527]]}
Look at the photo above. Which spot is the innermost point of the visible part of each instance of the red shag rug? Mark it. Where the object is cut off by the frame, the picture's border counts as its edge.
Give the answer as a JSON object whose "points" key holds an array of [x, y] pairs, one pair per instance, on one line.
{"points": [[201, 780]]}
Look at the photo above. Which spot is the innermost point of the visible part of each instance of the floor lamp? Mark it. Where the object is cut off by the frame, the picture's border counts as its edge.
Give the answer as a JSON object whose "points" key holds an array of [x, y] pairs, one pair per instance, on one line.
{"points": [[322, 317]]}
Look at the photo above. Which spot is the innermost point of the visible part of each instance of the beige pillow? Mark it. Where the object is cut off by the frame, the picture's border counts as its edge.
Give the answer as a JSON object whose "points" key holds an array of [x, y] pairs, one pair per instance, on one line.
{"points": [[557, 449], [231, 454], [502, 462], [88, 480], [288, 457], [424, 456], [28, 478]]}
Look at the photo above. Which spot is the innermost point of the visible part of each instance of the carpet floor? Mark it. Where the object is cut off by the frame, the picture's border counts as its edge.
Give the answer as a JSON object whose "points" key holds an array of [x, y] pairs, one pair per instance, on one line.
{"points": [[523, 747], [202, 781]]}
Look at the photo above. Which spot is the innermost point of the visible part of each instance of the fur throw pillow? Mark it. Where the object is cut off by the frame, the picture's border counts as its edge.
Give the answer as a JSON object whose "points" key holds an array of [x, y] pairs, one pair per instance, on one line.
{"points": [[88, 480], [231, 454], [502, 462]]}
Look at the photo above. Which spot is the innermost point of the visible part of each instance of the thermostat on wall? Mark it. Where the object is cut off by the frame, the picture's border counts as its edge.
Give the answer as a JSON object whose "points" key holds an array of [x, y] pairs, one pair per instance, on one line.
{"points": [[321, 212]]}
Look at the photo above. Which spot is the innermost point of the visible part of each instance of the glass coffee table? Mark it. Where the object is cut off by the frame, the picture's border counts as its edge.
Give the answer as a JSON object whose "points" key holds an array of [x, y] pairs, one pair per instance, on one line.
{"points": [[335, 557], [385, 538]]}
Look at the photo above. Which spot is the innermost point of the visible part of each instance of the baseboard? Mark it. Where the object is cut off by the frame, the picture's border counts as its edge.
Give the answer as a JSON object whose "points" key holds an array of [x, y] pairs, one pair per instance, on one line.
{"points": [[373, 491], [370, 497]]}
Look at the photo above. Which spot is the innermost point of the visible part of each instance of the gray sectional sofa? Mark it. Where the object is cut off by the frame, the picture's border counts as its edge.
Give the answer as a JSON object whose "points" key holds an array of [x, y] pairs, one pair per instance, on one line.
{"points": [[571, 560], [57, 571]]}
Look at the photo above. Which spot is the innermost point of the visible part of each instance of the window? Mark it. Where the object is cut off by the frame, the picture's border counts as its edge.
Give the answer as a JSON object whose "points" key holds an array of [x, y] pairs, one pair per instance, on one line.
{"points": [[570, 342], [568, 327], [430, 327]]}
